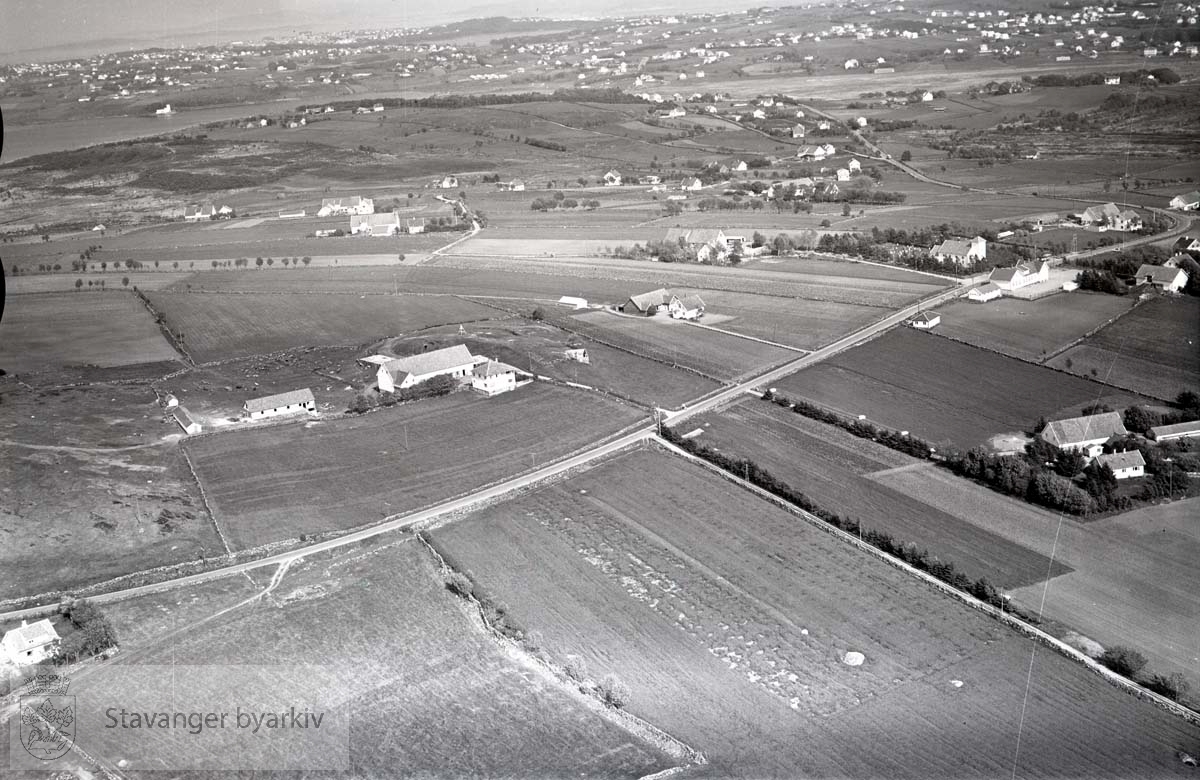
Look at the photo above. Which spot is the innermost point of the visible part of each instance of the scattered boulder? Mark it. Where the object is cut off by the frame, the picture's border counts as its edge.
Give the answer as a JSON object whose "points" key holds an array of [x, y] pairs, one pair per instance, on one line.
{"points": [[853, 658]]}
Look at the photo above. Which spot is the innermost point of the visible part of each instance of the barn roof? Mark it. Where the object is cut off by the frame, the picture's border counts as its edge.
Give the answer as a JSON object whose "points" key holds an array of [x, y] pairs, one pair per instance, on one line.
{"points": [[1158, 274], [430, 362], [692, 301], [647, 299], [384, 219], [1177, 429], [304, 396], [1076, 430]]}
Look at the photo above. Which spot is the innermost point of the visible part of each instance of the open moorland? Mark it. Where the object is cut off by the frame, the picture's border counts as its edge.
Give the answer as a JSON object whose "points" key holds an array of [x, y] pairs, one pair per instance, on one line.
{"points": [[944, 391], [719, 609], [285, 481], [1153, 350], [421, 658], [101, 329], [94, 486], [224, 326], [838, 472], [539, 348], [1030, 330]]}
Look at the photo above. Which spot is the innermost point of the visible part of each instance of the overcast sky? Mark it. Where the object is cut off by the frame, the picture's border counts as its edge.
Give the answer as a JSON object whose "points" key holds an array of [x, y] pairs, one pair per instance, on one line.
{"points": [[55, 29]]}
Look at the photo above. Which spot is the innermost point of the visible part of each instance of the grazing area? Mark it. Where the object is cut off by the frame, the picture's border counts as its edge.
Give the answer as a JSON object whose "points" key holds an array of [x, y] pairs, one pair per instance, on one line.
{"points": [[429, 693], [1030, 330], [123, 498], [288, 481], [838, 472], [717, 608], [1153, 350], [64, 329], [943, 391], [1133, 575], [715, 355], [225, 326]]}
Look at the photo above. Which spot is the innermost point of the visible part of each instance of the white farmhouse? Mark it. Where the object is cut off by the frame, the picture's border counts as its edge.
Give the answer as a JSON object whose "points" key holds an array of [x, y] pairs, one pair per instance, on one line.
{"points": [[493, 378], [401, 373], [1020, 275], [292, 402], [926, 320], [689, 307], [31, 643], [385, 224], [988, 291], [1124, 465]]}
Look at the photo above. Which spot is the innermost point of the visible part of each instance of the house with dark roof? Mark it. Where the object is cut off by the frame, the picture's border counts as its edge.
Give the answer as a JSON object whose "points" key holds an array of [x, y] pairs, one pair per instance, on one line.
{"points": [[1124, 465], [281, 404], [1162, 277], [1085, 435], [704, 244], [926, 320], [29, 643], [400, 373]]}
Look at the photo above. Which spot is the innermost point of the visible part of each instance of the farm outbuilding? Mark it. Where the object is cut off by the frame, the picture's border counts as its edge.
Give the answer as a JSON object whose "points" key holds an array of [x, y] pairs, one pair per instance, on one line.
{"points": [[573, 302], [1162, 277], [186, 421], [385, 224], [1085, 435], [985, 292], [400, 373], [30, 643], [1184, 430], [648, 302], [292, 402], [689, 307]]}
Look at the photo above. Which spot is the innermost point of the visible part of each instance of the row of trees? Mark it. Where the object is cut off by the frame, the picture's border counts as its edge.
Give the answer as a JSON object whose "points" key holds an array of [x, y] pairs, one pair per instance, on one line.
{"points": [[909, 553], [430, 388]]}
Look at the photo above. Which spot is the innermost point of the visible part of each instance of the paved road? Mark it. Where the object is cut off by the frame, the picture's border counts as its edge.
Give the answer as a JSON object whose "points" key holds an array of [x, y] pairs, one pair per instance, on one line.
{"points": [[516, 483]]}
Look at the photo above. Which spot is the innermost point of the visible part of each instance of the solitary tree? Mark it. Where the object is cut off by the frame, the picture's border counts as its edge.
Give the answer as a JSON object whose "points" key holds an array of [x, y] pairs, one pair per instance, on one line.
{"points": [[1123, 660], [125, 281], [258, 261], [905, 156], [615, 692], [78, 283], [306, 260]]}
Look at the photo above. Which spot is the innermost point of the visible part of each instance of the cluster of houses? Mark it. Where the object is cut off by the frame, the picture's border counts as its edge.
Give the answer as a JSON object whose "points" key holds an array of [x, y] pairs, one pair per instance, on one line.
{"points": [[490, 377], [346, 206], [199, 212], [647, 304], [387, 223], [960, 251], [1109, 217]]}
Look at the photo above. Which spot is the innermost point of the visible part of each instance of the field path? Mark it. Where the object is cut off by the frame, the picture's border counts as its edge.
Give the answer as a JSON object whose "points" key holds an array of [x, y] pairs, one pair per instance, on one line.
{"points": [[82, 450]]}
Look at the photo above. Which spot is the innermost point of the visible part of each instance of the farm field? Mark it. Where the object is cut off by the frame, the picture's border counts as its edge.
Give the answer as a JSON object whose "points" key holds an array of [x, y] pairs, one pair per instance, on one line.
{"points": [[60, 329], [943, 391], [1152, 350], [428, 692], [715, 355], [539, 347], [1132, 575], [1030, 330], [797, 322], [729, 618], [284, 481], [227, 325], [838, 472]]}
